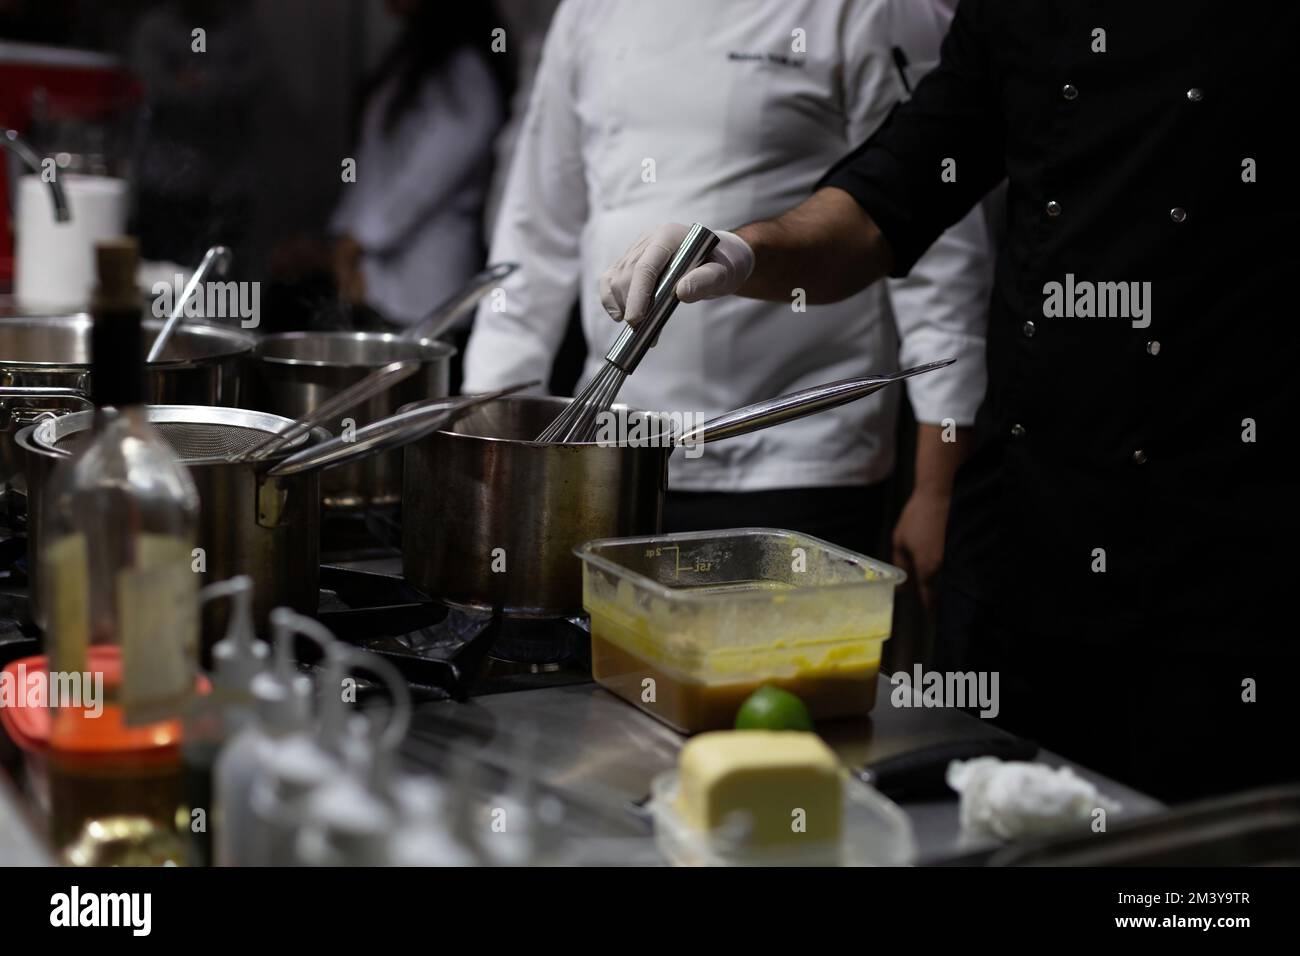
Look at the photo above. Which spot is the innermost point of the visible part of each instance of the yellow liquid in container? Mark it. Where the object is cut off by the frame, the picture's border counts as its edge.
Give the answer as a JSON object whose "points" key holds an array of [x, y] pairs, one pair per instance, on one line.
{"points": [[680, 667]]}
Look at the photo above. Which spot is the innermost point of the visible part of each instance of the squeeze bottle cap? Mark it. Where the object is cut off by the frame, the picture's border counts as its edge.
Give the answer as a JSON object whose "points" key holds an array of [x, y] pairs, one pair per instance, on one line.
{"points": [[239, 656]]}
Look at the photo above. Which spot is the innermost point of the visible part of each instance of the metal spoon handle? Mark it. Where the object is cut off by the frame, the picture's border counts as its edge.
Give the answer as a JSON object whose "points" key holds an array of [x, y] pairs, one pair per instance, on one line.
{"points": [[216, 259], [788, 408]]}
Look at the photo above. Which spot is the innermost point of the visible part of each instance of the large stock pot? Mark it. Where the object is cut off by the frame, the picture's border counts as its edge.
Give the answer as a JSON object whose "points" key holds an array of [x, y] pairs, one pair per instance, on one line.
{"points": [[267, 528], [296, 371], [490, 517], [45, 368]]}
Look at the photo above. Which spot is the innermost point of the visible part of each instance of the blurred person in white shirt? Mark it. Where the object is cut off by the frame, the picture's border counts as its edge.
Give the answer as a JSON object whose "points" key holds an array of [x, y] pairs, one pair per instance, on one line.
{"points": [[409, 229]]}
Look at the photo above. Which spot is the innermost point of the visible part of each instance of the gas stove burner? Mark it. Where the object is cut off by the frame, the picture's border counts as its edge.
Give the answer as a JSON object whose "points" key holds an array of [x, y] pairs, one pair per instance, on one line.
{"points": [[454, 651]]}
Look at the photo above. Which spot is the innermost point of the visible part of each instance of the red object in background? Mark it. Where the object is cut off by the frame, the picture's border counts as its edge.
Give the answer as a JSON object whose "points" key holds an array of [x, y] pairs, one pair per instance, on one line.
{"points": [[74, 83], [29, 727]]}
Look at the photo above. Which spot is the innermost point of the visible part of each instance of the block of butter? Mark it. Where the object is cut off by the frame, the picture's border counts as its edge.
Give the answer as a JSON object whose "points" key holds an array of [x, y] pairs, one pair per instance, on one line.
{"points": [[786, 786]]}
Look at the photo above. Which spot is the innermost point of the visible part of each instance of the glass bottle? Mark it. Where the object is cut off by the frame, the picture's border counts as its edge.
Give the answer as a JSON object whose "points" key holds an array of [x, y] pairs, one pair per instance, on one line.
{"points": [[120, 589]]}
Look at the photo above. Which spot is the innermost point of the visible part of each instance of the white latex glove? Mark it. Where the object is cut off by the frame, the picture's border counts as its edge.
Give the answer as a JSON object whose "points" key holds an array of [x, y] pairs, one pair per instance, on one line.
{"points": [[627, 286]]}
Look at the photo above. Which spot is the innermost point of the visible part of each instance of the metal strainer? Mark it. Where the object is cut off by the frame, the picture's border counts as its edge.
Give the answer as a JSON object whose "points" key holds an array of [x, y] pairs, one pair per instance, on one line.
{"points": [[197, 434]]}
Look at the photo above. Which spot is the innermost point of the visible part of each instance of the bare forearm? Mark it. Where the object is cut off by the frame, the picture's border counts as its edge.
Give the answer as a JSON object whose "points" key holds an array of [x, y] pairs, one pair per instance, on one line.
{"points": [[827, 246], [937, 460]]}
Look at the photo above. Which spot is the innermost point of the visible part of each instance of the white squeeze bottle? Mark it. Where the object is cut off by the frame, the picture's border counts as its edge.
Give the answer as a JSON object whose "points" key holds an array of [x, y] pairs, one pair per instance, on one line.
{"points": [[214, 718], [282, 700], [348, 820], [298, 763], [435, 820]]}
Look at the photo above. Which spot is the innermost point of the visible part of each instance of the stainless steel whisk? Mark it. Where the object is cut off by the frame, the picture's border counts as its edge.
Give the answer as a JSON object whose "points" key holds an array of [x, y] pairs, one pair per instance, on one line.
{"points": [[580, 420]]}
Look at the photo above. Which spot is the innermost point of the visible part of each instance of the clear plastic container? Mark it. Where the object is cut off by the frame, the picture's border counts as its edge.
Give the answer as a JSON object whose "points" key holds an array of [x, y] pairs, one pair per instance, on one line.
{"points": [[876, 832], [686, 626]]}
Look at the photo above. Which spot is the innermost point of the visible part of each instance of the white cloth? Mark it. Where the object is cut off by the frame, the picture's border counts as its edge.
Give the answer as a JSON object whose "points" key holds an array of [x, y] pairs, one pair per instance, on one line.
{"points": [[1013, 799], [417, 204], [686, 111]]}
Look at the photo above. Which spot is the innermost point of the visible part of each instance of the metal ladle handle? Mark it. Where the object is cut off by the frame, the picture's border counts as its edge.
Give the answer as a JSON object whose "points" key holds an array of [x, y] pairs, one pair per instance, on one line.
{"points": [[216, 259], [788, 408], [10, 140], [633, 342]]}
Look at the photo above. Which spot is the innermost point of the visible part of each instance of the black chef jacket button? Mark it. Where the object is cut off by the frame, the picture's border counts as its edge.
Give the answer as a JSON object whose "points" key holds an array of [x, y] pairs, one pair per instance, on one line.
{"points": [[1153, 348], [1178, 214], [1070, 91], [1029, 329], [1195, 95], [1053, 208], [1017, 431], [1139, 457]]}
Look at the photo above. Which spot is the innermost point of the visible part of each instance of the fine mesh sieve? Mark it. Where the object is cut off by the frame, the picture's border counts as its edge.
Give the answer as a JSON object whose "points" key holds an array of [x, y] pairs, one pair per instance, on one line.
{"points": [[197, 434]]}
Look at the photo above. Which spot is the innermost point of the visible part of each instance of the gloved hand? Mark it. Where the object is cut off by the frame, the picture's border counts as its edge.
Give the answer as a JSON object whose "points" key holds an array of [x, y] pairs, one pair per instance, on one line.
{"points": [[627, 287]]}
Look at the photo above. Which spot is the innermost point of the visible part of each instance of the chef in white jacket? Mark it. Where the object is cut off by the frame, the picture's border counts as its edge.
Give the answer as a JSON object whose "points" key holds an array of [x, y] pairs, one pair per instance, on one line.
{"points": [[723, 112]]}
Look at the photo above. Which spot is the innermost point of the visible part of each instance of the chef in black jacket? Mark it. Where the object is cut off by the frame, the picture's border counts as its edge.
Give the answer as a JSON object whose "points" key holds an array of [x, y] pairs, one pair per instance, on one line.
{"points": [[1122, 543]]}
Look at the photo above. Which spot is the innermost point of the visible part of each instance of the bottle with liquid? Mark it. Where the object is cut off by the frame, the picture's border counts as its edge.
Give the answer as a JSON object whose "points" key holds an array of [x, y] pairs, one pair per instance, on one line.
{"points": [[121, 596]]}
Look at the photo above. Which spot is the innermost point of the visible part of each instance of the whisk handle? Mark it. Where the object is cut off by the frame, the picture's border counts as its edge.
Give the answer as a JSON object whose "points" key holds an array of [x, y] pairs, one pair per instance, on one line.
{"points": [[632, 343]]}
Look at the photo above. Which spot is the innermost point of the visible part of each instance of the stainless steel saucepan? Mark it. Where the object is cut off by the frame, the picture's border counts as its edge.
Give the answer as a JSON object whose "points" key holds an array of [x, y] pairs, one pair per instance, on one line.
{"points": [[490, 517], [258, 516], [45, 364], [296, 371], [45, 368], [282, 555]]}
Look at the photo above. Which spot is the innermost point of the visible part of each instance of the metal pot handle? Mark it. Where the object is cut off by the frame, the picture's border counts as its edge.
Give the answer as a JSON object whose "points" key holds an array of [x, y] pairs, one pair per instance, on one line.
{"points": [[408, 425], [787, 408], [447, 312], [30, 392]]}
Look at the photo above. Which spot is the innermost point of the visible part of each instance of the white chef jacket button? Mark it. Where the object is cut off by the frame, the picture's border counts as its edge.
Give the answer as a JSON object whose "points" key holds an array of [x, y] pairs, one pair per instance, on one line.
{"points": [[1153, 348], [1178, 214], [1017, 431], [1195, 95], [1139, 457], [1053, 208], [1029, 329], [1070, 91]]}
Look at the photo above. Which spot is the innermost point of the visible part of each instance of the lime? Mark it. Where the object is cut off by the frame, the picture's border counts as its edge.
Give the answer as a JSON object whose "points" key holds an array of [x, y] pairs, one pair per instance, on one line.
{"points": [[771, 708]]}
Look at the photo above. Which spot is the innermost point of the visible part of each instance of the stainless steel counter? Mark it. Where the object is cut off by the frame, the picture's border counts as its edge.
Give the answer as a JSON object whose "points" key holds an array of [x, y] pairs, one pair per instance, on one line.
{"points": [[601, 753]]}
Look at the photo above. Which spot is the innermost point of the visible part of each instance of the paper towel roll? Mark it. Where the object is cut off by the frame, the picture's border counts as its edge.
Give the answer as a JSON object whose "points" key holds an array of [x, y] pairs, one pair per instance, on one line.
{"points": [[54, 264]]}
